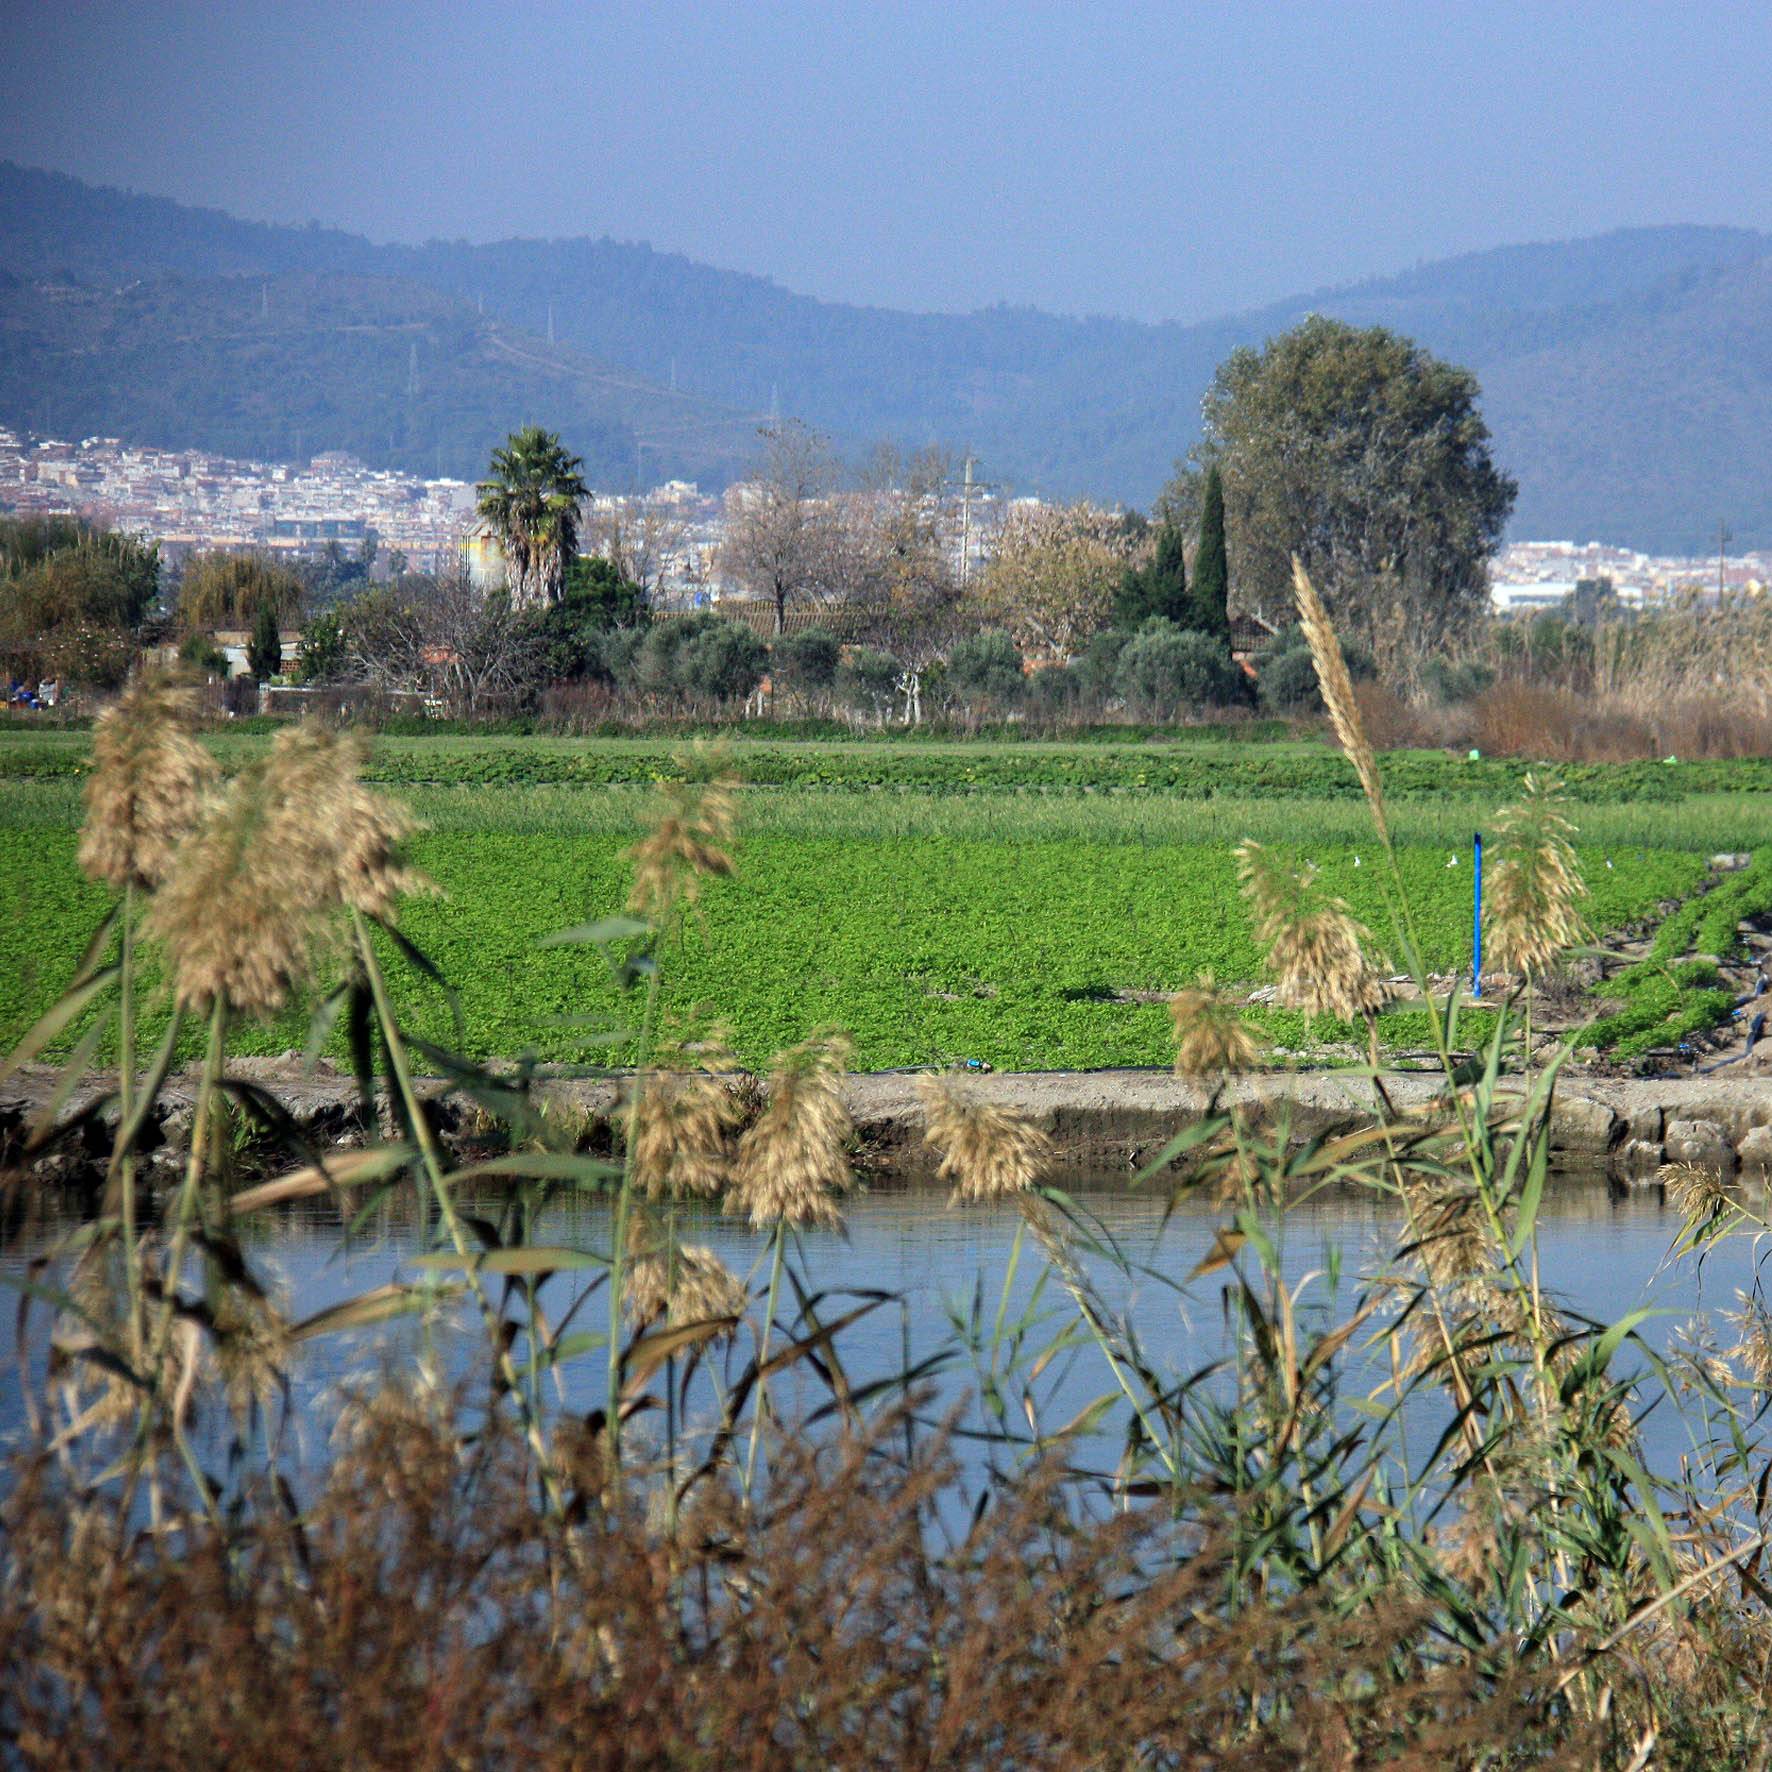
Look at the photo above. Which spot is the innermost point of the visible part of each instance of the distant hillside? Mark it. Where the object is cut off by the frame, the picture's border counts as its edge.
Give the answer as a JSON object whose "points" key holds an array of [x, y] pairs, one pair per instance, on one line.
{"points": [[282, 366], [1622, 374]]}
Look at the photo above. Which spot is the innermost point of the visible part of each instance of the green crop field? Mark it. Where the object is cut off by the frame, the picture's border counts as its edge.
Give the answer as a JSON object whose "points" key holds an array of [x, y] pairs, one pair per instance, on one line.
{"points": [[1025, 904]]}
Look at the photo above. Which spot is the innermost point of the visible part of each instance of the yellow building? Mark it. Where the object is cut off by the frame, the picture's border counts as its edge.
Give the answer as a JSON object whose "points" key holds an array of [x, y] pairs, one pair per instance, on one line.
{"points": [[483, 557]]}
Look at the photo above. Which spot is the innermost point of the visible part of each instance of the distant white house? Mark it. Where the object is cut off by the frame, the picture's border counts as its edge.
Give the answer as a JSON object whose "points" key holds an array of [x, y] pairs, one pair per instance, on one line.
{"points": [[1547, 593]]}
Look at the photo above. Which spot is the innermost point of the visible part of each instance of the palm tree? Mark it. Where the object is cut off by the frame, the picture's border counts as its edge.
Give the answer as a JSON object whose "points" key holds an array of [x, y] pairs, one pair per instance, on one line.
{"points": [[531, 504]]}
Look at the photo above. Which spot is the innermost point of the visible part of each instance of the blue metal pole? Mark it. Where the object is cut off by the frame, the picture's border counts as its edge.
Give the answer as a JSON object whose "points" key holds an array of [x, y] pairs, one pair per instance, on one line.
{"points": [[1477, 915]]}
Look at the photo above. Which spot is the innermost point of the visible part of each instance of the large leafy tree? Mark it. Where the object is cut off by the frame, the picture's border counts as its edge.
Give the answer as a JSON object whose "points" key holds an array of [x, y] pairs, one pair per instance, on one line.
{"points": [[1366, 456], [572, 633], [72, 599], [530, 500], [118, 576]]}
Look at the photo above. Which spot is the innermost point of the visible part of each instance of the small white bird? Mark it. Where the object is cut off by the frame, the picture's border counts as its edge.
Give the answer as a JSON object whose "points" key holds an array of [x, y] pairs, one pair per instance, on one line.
{"points": [[1356, 861], [1608, 864], [1452, 861]]}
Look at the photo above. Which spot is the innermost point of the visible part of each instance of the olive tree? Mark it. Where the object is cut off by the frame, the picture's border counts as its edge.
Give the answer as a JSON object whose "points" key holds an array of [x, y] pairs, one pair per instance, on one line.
{"points": [[699, 659], [985, 669], [1164, 669]]}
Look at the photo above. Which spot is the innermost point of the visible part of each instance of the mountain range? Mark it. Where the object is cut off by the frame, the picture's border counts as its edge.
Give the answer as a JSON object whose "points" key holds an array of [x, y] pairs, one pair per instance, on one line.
{"points": [[1624, 376]]}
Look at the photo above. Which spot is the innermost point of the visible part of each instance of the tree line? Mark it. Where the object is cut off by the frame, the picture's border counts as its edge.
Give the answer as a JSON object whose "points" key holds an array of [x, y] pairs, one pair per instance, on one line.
{"points": [[1351, 449]]}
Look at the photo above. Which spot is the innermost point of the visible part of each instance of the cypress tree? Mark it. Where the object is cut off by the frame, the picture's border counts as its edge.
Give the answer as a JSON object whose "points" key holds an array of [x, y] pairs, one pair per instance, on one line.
{"points": [[1210, 604], [1159, 588], [264, 651]]}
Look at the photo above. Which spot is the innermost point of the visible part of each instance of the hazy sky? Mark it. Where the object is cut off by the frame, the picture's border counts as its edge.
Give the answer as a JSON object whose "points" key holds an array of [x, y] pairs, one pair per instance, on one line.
{"points": [[1164, 161]]}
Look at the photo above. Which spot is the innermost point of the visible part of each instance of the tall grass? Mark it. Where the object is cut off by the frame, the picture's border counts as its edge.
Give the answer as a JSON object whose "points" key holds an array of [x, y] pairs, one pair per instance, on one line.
{"points": [[1243, 1566]]}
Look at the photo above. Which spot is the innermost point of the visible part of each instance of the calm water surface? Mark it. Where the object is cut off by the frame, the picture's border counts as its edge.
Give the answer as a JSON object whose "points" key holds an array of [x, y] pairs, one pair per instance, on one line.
{"points": [[1600, 1255]]}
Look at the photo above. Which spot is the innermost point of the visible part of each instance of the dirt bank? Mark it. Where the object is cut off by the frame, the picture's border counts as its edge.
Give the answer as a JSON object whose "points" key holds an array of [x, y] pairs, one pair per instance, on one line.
{"points": [[1102, 1123]]}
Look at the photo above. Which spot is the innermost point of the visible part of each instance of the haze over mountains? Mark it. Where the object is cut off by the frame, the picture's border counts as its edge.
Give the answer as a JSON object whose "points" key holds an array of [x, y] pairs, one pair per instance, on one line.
{"points": [[1625, 377]]}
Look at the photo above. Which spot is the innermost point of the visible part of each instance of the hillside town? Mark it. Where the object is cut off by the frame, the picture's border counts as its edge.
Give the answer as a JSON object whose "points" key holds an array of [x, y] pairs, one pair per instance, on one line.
{"points": [[188, 501]]}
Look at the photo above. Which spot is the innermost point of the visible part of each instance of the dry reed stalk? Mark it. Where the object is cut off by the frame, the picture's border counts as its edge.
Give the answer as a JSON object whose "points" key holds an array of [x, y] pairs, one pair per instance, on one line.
{"points": [[1338, 693], [1535, 884], [988, 1152], [1316, 948], [792, 1161], [1688, 648], [1211, 1038], [149, 781], [1061, 1640], [686, 842]]}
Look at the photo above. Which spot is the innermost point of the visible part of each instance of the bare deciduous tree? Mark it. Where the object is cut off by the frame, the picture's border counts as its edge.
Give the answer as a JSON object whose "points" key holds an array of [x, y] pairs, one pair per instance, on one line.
{"points": [[898, 565], [446, 638], [782, 534], [642, 539]]}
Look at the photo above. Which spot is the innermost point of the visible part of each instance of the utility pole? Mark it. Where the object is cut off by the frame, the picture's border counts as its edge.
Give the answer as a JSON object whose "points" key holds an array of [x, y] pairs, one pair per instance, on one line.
{"points": [[412, 371], [550, 322], [1723, 540], [968, 486], [966, 524]]}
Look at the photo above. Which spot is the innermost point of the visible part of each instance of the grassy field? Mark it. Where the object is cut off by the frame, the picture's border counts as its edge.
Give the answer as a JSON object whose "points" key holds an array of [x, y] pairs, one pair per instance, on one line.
{"points": [[1025, 904]]}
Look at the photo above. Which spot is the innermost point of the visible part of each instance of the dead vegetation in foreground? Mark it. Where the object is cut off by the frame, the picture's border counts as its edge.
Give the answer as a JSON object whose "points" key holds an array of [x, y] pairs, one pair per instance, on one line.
{"points": [[416, 1613]]}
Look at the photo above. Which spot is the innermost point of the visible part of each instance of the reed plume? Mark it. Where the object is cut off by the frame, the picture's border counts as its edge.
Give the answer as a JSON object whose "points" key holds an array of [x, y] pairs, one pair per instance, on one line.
{"points": [[988, 1152], [1448, 1237], [686, 843], [1535, 885], [792, 1161], [1696, 1192], [680, 1123], [690, 1285], [252, 1347], [238, 922], [294, 839], [1338, 693], [1316, 947], [346, 836], [149, 781], [1211, 1038], [680, 1113], [1753, 1343]]}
